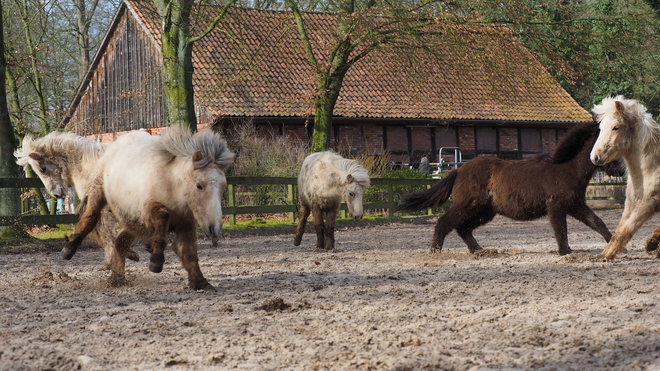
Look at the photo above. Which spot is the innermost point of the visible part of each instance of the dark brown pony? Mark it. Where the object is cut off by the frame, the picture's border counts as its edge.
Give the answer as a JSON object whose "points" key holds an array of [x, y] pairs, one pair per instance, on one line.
{"points": [[552, 185]]}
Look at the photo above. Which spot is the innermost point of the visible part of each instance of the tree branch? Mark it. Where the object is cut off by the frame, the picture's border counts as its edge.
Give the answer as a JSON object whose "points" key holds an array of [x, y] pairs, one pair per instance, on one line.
{"points": [[215, 22]]}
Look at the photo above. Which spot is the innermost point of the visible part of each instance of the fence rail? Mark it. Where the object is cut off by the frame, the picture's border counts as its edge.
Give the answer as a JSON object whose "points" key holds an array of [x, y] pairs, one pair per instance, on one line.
{"points": [[232, 209]]}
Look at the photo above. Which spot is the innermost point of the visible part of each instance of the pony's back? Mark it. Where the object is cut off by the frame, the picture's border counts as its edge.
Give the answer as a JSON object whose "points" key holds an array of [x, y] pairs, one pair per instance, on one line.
{"points": [[323, 175]]}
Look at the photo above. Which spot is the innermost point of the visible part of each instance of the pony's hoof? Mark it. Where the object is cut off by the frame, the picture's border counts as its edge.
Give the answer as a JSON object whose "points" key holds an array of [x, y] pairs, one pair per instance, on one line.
{"points": [[565, 252], [117, 280], [133, 255], [156, 262], [155, 267], [651, 244], [296, 241], [67, 253], [203, 286]]}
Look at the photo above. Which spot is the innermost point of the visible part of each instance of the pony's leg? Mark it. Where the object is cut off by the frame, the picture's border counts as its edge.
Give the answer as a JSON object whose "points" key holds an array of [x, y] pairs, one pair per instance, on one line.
{"points": [[93, 203], [557, 219], [104, 234], [185, 246], [634, 215], [653, 241], [302, 222], [443, 226], [122, 248], [329, 232], [319, 227], [159, 223], [587, 216], [453, 218], [465, 230]]}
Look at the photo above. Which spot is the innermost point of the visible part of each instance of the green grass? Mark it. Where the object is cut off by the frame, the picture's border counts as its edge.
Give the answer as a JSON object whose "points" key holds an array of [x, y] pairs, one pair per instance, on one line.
{"points": [[57, 233]]}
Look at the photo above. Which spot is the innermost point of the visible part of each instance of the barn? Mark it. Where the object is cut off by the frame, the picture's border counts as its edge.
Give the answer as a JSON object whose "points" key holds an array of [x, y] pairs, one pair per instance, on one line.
{"points": [[476, 88]]}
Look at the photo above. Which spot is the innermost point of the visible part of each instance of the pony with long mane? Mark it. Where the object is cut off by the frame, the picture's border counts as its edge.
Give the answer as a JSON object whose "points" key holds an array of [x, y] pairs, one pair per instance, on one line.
{"points": [[553, 185], [627, 130], [325, 179], [154, 185], [63, 160]]}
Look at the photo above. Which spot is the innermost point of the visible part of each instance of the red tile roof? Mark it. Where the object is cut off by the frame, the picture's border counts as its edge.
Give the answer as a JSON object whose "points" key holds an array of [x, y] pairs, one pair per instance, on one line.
{"points": [[248, 67]]}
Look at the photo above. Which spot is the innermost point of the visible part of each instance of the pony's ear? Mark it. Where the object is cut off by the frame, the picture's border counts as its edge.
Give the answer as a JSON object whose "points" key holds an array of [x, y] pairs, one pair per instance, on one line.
{"points": [[36, 156], [349, 178], [199, 160], [620, 108]]}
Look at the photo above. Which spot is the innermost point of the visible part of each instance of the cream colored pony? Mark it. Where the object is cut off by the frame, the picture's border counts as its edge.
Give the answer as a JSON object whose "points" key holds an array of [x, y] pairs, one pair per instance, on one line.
{"points": [[155, 185], [63, 160], [324, 179], [628, 130]]}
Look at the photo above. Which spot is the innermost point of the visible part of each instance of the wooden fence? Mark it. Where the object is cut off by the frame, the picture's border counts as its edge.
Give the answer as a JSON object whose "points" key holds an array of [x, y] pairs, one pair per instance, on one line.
{"points": [[231, 209]]}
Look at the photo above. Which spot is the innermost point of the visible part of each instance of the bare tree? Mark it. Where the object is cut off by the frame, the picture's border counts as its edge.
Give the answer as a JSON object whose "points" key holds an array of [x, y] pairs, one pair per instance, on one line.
{"points": [[361, 28], [9, 197], [176, 51]]}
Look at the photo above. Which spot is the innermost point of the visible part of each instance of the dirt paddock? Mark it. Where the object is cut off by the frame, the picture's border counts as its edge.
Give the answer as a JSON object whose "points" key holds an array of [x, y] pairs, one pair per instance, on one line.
{"points": [[380, 301]]}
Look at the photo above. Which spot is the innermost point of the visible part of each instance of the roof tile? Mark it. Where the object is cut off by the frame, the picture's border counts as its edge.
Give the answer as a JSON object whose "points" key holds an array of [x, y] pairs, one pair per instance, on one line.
{"points": [[254, 64]]}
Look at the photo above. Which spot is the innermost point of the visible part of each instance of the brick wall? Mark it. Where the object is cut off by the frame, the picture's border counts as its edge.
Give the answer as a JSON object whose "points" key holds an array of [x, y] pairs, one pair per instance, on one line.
{"points": [[466, 138], [397, 138], [508, 139], [373, 135], [548, 140], [296, 132], [350, 138]]}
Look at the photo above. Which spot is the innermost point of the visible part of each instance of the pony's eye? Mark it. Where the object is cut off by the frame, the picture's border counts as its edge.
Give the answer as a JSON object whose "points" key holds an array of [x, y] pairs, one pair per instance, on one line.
{"points": [[615, 128], [199, 186], [351, 194], [43, 169]]}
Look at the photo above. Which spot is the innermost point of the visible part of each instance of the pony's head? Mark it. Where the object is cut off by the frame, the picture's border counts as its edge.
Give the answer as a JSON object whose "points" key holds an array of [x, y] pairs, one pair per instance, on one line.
{"points": [[50, 169], [205, 157], [355, 182], [623, 123]]}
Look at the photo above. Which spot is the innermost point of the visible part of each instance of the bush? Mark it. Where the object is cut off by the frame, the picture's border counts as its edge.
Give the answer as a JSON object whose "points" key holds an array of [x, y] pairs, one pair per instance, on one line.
{"points": [[259, 156]]}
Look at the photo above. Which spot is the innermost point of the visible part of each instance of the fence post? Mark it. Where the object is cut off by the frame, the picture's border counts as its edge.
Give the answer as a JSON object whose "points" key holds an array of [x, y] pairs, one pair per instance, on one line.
{"points": [[430, 209], [231, 198], [292, 201], [390, 200]]}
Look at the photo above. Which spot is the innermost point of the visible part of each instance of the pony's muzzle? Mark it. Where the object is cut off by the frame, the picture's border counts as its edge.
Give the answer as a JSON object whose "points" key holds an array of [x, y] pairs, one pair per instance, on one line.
{"points": [[58, 192], [357, 217], [213, 232], [597, 160]]}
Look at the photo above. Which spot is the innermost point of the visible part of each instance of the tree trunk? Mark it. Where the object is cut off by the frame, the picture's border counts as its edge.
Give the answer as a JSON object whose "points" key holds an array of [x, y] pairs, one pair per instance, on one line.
{"points": [[177, 62], [328, 90], [9, 197], [36, 74]]}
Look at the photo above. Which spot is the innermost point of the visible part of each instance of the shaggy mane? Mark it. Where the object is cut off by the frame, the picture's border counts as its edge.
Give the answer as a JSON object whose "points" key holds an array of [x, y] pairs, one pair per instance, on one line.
{"points": [[60, 143], [571, 145], [359, 173], [178, 141], [636, 112]]}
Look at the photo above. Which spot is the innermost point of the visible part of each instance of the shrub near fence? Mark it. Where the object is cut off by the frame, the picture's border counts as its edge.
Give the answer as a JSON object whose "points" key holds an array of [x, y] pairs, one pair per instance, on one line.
{"points": [[280, 193]]}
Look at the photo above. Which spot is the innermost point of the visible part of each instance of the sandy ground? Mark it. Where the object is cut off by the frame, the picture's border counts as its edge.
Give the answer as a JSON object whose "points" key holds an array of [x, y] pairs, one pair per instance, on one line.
{"points": [[380, 301]]}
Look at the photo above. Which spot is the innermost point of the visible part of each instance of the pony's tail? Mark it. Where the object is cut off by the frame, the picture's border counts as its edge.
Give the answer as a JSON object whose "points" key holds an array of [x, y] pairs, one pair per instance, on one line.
{"points": [[432, 197]]}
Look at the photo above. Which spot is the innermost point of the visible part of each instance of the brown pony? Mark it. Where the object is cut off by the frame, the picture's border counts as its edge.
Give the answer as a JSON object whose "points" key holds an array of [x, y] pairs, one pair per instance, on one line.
{"points": [[552, 185]]}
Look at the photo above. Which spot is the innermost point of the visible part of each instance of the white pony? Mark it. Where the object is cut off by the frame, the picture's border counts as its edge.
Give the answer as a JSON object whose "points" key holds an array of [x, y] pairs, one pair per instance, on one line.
{"points": [[628, 130], [63, 160], [154, 185], [325, 178]]}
